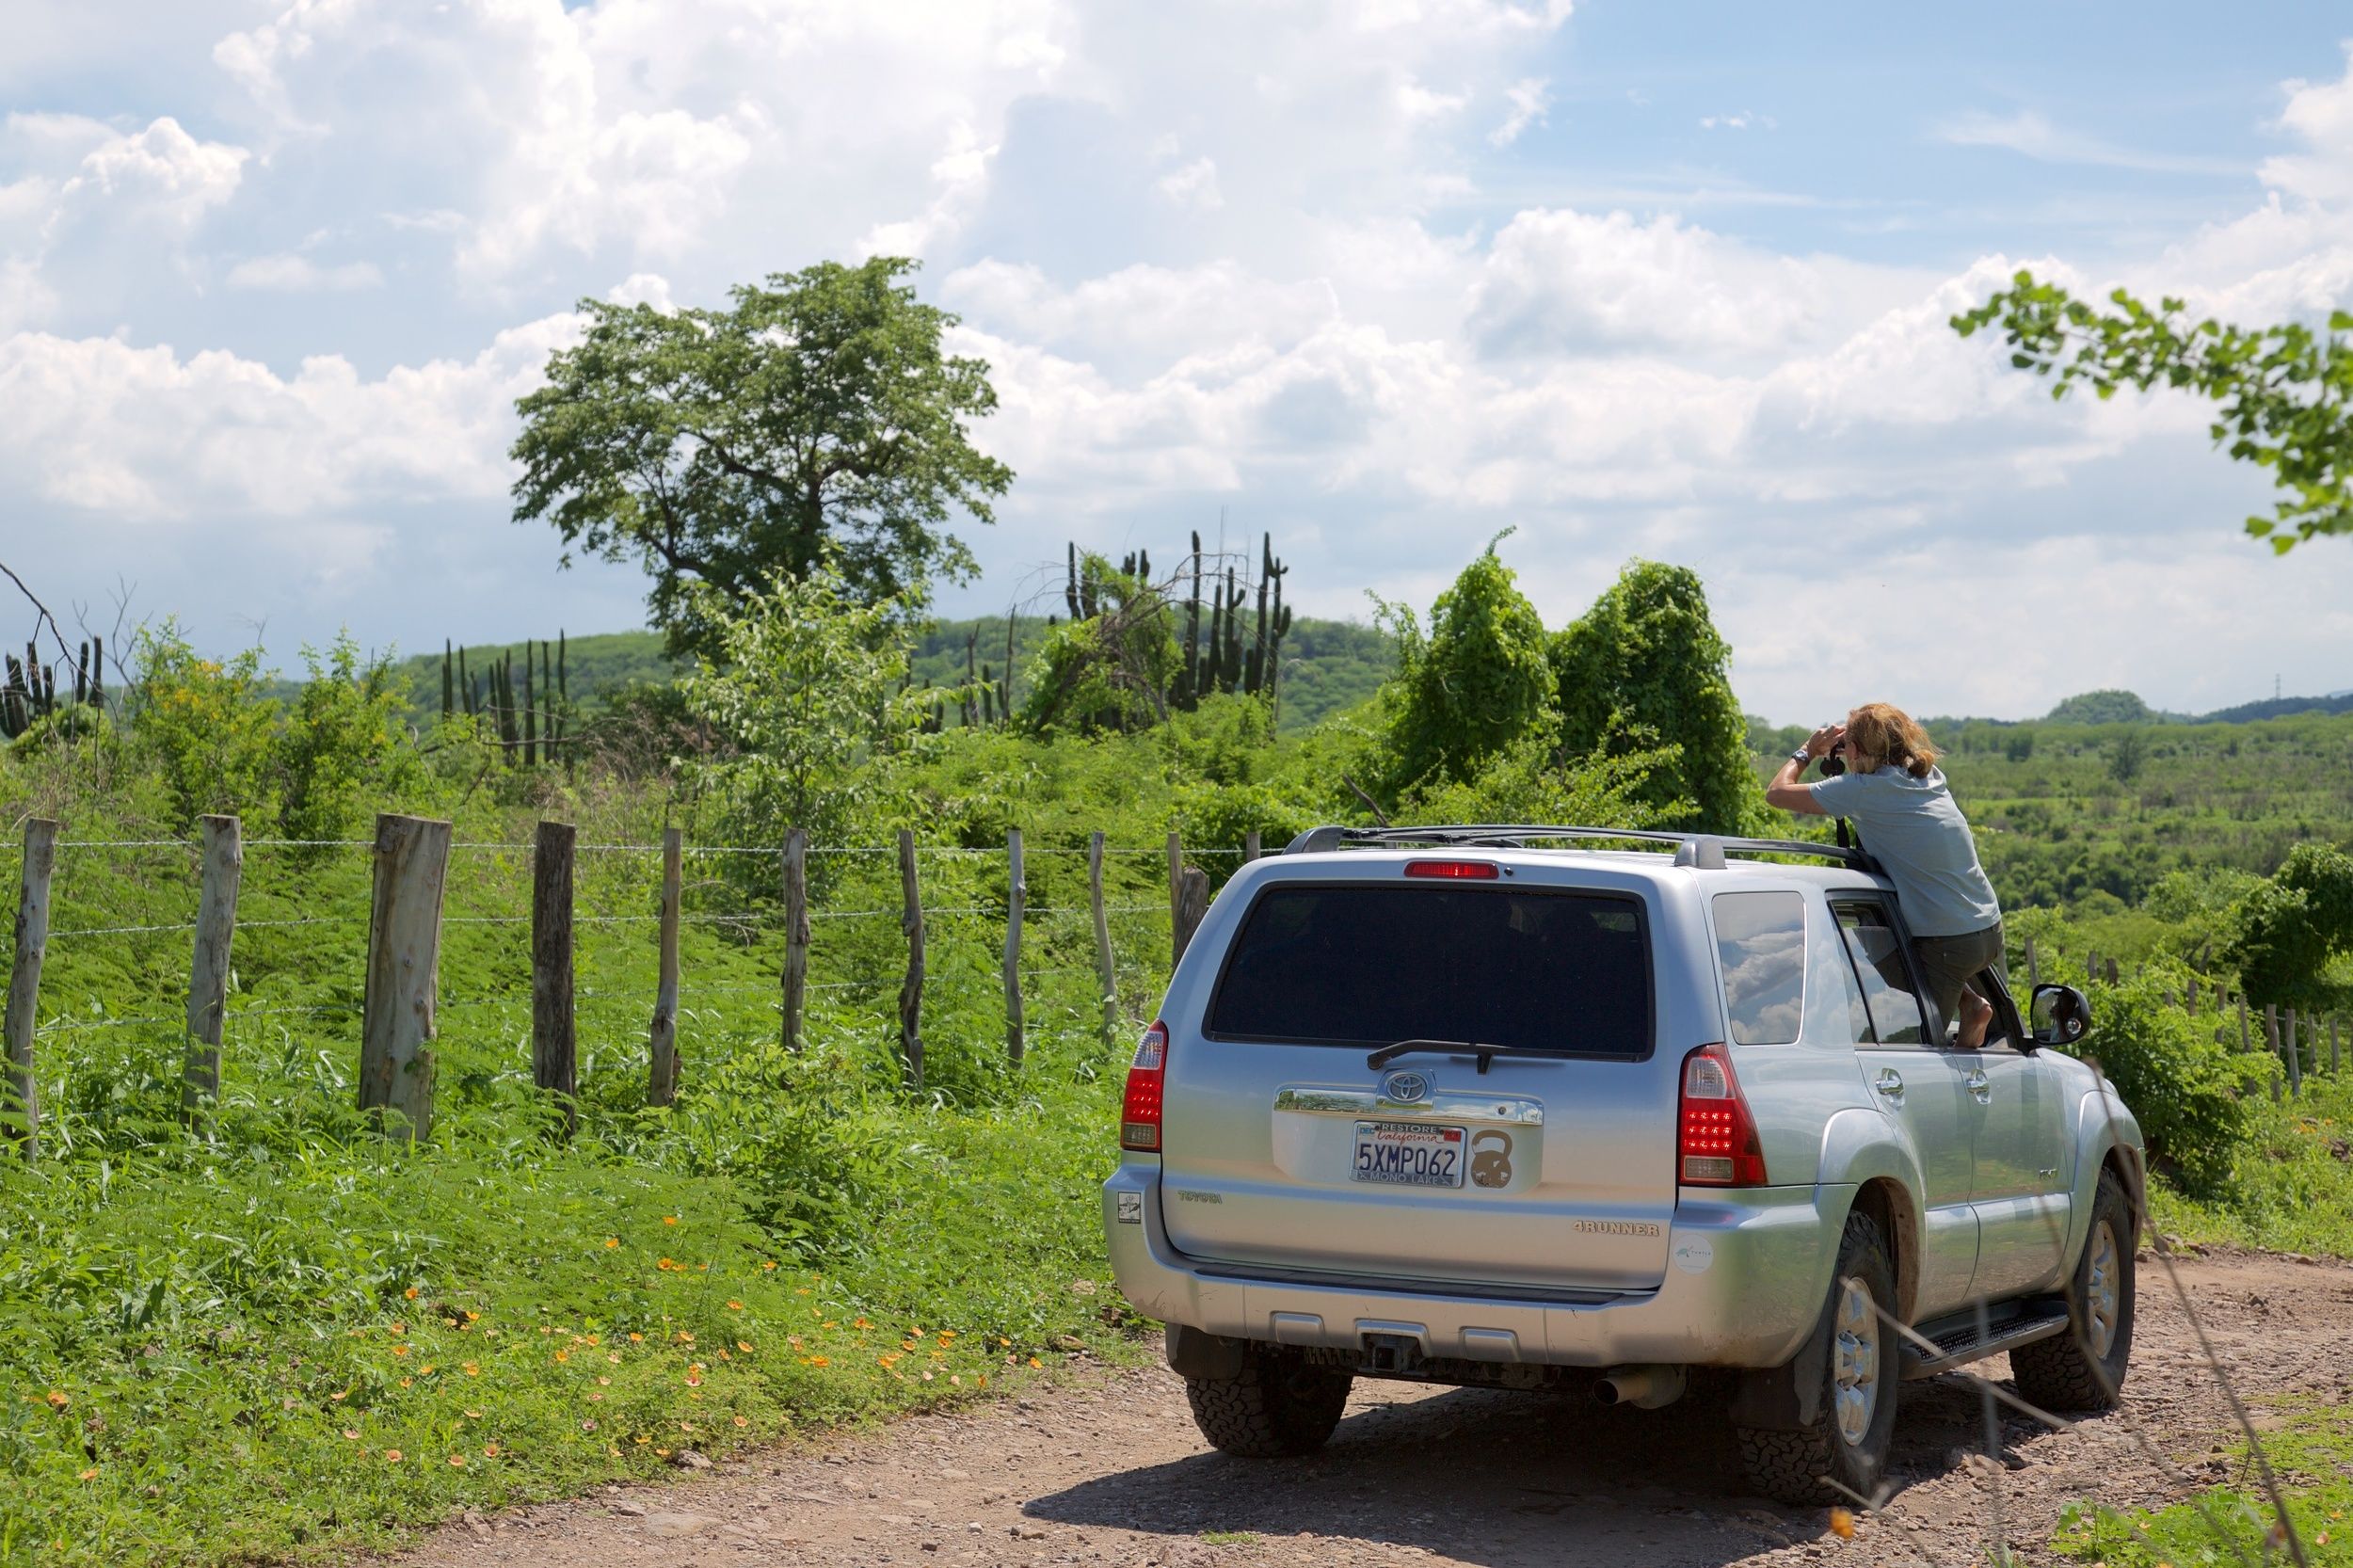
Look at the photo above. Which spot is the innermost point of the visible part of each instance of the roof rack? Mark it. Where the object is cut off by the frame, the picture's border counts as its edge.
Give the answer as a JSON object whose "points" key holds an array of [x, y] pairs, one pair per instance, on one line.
{"points": [[1704, 851]]}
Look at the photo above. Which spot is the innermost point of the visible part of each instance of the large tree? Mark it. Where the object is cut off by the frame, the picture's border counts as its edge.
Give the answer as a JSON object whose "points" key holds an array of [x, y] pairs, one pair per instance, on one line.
{"points": [[819, 413], [2285, 391]]}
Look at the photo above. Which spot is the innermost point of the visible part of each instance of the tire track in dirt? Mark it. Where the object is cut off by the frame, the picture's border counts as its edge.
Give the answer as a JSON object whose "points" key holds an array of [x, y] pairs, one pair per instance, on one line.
{"points": [[1106, 1467]]}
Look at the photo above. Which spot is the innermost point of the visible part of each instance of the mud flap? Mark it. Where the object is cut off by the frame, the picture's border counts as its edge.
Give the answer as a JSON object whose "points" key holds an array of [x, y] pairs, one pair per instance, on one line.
{"points": [[1788, 1397], [1202, 1355]]}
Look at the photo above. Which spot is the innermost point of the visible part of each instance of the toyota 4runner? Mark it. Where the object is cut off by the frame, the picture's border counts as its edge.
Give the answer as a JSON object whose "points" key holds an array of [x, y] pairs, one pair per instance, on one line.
{"points": [[1529, 1108]]}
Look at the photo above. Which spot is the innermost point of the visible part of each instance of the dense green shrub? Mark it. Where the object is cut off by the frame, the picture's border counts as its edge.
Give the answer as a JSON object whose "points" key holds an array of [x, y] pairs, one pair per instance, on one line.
{"points": [[2189, 1092], [340, 755], [206, 724]]}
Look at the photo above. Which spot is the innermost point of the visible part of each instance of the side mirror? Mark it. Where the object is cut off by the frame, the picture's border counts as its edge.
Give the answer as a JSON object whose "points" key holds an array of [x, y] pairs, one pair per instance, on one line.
{"points": [[2060, 1016]]}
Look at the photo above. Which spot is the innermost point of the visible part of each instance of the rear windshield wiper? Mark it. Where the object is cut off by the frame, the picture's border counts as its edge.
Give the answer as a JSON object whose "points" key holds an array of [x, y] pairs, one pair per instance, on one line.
{"points": [[1485, 1053]]}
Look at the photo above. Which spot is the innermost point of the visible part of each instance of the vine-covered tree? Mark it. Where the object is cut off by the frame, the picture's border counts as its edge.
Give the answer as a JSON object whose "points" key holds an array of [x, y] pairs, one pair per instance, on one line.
{"points": [[820, 413], [2286, 392], [1473, 685], [1646, 668]]}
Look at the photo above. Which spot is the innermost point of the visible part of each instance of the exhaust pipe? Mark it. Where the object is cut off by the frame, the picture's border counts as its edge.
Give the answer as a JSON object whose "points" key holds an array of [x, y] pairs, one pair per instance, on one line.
{"points": [[1643, 1388]]}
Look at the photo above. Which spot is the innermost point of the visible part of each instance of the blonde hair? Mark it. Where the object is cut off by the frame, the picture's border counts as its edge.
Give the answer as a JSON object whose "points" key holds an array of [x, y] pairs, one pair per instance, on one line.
{"points": [[1886, 732]]}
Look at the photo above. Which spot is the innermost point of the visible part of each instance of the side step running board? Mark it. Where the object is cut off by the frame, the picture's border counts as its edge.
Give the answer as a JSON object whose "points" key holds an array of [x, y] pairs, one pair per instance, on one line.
{"points": [[1957, 1342]]}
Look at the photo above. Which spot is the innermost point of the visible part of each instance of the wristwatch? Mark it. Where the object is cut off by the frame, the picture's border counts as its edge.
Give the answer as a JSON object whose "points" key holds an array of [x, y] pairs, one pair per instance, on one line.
{"points": [[1802, 757]]}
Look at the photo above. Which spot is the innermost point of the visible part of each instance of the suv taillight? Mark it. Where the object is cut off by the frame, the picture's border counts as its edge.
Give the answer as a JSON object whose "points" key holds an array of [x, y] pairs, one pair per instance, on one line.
{"points": [[1140, 1111], [1716, 1145]]}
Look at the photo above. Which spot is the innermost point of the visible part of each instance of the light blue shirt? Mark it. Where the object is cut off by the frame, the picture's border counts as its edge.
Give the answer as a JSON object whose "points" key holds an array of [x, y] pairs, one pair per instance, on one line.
{"points": [[1920, 836]]}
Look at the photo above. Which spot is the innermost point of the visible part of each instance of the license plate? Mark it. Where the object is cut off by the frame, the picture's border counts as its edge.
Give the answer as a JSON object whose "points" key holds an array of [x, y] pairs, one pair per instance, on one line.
{"points": [[1409, 1154]]}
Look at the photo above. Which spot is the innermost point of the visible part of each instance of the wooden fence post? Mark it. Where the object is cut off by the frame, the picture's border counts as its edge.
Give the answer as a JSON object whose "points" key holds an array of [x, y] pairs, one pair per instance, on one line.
{"points": [[555, 1034], [2034, 967], [2091, 967], [208, 967], [1175, 898], [404, 973], [2295, 1057], [1249, 846], [2112, 976], [1017, 899], [1192, 902], [1106, 976], [662, 1040], [2271, 1040], [2245, 1043], [911, 988], [795, 934], [20, 1109]]}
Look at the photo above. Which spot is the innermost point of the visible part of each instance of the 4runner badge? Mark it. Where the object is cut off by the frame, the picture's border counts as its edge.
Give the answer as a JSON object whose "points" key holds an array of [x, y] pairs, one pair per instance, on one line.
{"points": [[1405, 1088], [1491, 1157]]}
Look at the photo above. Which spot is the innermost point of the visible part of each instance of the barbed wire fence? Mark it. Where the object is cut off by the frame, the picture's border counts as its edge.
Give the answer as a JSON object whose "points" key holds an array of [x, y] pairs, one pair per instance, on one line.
{"points": [[301, 925]]}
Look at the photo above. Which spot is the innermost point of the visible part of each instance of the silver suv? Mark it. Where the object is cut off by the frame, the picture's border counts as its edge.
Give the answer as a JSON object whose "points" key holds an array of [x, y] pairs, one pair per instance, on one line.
{"points": [[1499, 1106]]}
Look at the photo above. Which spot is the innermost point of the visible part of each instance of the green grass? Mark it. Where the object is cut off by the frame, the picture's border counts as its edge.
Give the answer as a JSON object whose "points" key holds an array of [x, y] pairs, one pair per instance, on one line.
{"points": [[2310, 1448], [2291, 1187], [212, 1346]]}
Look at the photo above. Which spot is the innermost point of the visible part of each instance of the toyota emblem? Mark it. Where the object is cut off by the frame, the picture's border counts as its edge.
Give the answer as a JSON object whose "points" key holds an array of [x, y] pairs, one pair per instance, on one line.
{"points": [[1405, 1087]]}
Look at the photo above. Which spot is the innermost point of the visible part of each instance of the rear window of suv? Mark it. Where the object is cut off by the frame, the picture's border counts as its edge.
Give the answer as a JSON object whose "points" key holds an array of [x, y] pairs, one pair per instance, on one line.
{"points": [[1366, 965]]}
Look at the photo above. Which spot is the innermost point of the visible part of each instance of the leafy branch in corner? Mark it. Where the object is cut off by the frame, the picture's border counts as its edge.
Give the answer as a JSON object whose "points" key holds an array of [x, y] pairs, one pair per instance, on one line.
{"points": [[2282, 389]]}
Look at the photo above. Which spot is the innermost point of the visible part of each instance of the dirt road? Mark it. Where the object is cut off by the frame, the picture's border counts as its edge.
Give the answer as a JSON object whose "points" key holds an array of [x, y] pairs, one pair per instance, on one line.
{"points": [[1107, 1468]]}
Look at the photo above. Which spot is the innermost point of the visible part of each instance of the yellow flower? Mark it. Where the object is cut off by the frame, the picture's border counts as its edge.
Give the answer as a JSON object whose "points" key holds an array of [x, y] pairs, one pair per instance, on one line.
{"points": [[636, 1338], [472, 1369], [770, 1266], [1035, 1362]]}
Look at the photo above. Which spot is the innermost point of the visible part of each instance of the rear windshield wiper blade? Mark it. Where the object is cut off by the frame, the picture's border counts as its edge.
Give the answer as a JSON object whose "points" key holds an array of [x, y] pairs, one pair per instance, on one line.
{"points": [[1485, 1053]]}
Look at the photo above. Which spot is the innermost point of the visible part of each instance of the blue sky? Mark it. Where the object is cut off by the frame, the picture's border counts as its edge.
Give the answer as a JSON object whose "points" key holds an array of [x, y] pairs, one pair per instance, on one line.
{"points": [[1384, 277]]}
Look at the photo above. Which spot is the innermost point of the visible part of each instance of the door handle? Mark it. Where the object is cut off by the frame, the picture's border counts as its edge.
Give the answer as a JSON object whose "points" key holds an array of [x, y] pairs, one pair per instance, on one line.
{"points": [[1891, 1084], [1980, 1087]]}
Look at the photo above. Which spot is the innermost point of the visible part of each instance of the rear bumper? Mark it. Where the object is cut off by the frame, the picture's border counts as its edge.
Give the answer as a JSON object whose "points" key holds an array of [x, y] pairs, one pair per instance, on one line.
{"points": [[1748, 1273]]}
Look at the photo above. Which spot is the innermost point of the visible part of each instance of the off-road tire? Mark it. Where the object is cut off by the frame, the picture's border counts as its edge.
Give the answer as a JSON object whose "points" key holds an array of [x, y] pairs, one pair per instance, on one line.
{"points": [[1278, 1407], [1792, 1467], [2061, 1373]]}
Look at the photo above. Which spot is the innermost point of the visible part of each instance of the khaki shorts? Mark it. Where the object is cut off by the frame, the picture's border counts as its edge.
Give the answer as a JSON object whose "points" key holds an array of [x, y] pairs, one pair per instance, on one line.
{"points": [[1949, 963]]}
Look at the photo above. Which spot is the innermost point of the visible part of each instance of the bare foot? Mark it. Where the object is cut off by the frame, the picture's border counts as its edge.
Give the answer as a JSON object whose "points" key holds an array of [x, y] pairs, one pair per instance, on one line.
{"points": [[1975, 1012]]}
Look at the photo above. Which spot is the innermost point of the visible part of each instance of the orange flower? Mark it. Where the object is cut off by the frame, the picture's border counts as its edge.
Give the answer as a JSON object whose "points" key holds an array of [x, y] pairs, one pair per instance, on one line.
{"points": [[1842, 1524], [670, 1219], [400, 1350], [425, 1370], [770, 1266], [861, 1323], [612, 1241], [458, 1462], [472, 1369], [489, 1450], [692, 1381], [745, 1346], [1035, 1362], [392, 1456], [684, 1338], [819, 1361], [405, 1382], [636, 1338], [58, 1400], [742, 1421], [410, 1294], [91, 1474], [562, 1356], [351, 1435], [735, 1306]]}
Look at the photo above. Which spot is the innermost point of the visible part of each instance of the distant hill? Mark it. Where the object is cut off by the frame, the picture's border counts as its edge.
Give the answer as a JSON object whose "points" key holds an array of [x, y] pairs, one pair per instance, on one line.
{"points": [[1327, 664], [2281, 707], [2106, 707]]}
